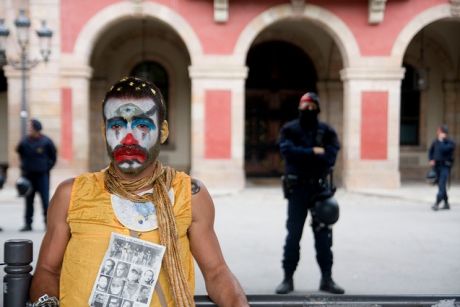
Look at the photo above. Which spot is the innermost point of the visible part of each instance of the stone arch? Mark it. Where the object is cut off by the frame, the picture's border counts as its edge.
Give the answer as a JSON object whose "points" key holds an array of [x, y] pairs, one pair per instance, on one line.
{"points": [[105, 18], [416, 25], [338, 30], [433, 50]]}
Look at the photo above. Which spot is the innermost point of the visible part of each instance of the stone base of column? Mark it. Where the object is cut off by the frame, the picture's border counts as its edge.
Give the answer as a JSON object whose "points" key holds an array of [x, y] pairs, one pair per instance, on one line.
{"points": [[371, 178], [220, 177]]}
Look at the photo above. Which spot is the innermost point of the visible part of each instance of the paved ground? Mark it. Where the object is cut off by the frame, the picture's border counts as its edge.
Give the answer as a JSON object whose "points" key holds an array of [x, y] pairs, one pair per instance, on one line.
{"points": [[386, 242]]}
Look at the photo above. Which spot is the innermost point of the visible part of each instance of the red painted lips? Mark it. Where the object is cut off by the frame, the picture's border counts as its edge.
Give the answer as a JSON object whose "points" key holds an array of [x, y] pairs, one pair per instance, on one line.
{"points": [[130, 153]]}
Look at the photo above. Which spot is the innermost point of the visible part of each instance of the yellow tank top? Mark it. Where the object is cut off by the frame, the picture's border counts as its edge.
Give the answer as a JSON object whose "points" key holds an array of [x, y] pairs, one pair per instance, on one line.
{"points": [[92, 220]]}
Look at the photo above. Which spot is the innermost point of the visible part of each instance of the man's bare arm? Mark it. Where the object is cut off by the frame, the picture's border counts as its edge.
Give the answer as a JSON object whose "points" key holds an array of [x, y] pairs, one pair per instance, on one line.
{"points": [[46, 276], [221, 284]]}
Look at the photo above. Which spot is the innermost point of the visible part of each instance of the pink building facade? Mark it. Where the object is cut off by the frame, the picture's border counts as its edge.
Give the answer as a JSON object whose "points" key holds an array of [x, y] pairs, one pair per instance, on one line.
{"points": [[387, 72]]}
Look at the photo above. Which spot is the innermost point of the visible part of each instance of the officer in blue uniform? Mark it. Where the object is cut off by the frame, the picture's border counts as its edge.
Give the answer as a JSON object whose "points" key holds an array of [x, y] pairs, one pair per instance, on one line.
{"points": [[309, 148], [38, 155], [441, 157]]}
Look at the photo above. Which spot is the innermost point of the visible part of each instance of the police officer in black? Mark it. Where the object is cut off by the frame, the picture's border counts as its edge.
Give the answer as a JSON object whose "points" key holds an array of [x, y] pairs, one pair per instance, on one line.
{"points": [[309, 148], [38, 155], [441, 157]]}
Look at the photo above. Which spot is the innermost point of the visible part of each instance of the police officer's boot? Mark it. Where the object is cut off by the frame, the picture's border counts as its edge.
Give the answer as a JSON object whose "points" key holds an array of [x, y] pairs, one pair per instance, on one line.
{"points": [[27, 227], [328, 285], [435, 207], [446, 205], [286, 286]]}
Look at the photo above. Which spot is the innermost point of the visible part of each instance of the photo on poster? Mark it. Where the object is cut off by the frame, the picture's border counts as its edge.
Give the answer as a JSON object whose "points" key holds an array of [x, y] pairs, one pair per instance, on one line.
{"points": [[128, 273]]}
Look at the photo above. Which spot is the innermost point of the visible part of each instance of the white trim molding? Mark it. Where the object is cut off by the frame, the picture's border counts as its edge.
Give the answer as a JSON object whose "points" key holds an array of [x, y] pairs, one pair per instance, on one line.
{"points": [[221, 11], [332, 24], [105, 18], [298, 5], [376, 11], [415, 25]]}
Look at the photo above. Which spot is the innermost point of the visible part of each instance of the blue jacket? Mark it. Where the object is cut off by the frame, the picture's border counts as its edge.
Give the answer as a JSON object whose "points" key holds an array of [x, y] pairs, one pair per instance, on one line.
{"points": [[442, 151], [37, 154], [296, 146]]}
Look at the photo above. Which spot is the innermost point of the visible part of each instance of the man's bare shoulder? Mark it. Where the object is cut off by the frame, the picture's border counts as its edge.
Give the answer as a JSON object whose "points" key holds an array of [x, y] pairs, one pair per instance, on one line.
{"points": [[199, 188], [65, 187], [202, 204], [62, 195]]}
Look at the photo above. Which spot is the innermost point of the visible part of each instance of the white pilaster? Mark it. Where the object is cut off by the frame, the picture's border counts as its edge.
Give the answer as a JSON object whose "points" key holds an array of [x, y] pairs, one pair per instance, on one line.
{"points": [[218, 74], [357, 172], [76, 76]]}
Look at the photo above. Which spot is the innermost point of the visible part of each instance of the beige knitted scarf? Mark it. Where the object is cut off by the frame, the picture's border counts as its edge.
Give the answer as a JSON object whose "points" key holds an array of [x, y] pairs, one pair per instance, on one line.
{"points": [[160, 180]]}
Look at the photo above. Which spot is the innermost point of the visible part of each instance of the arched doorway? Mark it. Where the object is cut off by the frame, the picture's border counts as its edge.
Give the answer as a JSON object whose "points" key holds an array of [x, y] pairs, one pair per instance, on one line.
{"points": [[279, 73], [430, 95], [286, 59], [148, 48]]}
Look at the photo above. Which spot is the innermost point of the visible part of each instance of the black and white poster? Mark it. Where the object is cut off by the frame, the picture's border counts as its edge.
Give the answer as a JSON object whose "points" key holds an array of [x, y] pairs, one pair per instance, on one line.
{"points": [[128, 273]]}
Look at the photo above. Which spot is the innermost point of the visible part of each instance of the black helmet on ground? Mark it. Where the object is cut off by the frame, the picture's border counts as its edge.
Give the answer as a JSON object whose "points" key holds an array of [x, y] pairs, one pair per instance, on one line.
{"points": [[326, 211], [23, 186], [431, 176]]}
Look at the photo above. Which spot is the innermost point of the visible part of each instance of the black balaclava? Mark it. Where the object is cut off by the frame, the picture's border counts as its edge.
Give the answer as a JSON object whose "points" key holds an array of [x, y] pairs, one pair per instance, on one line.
{"points": [[309, 110]]}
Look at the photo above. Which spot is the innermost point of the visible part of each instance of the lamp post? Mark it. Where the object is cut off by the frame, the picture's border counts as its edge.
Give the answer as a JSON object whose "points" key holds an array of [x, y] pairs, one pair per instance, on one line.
{"points": [[24, 64]]}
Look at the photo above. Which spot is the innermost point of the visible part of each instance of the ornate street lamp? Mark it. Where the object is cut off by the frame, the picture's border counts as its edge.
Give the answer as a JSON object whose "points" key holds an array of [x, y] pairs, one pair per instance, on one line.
{"points": [[24, 64]]}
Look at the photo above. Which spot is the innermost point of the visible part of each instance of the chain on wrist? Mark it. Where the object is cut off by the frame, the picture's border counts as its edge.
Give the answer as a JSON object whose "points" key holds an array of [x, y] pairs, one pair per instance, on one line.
{"points": [[46, 301]]}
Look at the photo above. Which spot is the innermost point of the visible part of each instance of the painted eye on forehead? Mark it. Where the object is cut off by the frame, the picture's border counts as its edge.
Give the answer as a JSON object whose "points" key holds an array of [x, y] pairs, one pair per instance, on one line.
{"points": [[128, 108]]}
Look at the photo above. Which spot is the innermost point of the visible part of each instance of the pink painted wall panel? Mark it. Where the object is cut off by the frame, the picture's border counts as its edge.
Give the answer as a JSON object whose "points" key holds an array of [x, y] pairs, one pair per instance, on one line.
{"points": [[74, 15], [215, 38], [375, 40], [374, 125], [66, 124], [218, 133]]}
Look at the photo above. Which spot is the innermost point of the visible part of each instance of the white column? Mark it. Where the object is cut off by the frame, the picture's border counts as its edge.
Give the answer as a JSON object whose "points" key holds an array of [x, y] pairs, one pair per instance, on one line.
{"points": [[331, 101], [359, 172], [452, 118], [218, 74], [76, 76], [14, 109]]}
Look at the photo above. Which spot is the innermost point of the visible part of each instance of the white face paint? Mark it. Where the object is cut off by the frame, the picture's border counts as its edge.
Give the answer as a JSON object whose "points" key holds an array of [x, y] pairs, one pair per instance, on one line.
{"points": [[131, 132]]}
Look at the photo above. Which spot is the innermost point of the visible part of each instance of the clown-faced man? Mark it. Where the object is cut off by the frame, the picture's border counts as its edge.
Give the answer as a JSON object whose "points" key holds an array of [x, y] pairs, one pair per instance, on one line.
{"points": [[138, 197]]}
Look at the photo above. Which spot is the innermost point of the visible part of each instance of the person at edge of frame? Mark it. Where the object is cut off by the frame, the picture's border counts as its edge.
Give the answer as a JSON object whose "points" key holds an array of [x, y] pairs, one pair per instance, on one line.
{"points": [[309, 148], [441, 157], [82, 213], [38, 155]]}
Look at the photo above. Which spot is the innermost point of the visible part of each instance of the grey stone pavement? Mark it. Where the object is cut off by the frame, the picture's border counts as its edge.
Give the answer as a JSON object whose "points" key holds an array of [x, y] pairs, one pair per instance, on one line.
{"points": [[387, 242]]}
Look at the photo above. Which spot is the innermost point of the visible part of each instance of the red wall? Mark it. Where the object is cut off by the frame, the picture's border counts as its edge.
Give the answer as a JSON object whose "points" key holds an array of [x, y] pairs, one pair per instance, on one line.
{"points": [[218, 134], [216, 38], [374, 125]]}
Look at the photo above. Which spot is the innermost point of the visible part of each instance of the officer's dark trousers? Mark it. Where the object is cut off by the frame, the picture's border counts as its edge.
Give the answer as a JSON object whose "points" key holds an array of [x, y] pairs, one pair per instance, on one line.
{"points": [[40, 183], [443, 175], [298, 206]]}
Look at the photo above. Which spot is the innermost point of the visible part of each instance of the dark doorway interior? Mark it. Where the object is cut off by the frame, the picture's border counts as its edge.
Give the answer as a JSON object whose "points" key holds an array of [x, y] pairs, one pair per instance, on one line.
{"points": [[279, 73], [3, 81], [410, 107]]}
